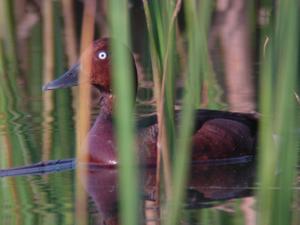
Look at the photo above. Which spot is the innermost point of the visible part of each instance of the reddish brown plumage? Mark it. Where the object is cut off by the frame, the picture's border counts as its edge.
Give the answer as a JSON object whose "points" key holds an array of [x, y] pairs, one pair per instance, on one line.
{"points": [[217, 134], [101, 69]]}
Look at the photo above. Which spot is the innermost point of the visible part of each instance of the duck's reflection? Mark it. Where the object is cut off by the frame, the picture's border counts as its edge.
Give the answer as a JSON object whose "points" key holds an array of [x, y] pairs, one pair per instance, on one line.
{"points": [[207, 186], [102, 188]]}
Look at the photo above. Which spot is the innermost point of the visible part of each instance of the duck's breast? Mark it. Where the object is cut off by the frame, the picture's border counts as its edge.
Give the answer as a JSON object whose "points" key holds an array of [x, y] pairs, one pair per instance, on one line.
{"points": [[101, 142]]}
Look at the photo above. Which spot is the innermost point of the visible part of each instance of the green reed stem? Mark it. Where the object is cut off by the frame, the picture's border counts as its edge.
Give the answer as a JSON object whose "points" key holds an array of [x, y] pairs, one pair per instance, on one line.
{"points": [[165, 103], [63, 114], [9, 38], [84, 113], [122, 74], [35, 67], [278, 141], [287, 39], [196, 16], [161, 21]]}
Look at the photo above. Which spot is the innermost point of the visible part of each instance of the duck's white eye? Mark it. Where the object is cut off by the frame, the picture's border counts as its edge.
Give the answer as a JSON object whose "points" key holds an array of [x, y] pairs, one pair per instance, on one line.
{"points": [[102, 55]]}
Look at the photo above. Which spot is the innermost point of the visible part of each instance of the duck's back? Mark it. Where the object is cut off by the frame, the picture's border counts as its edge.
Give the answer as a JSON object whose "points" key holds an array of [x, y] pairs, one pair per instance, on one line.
{"points": [[216, 135]]}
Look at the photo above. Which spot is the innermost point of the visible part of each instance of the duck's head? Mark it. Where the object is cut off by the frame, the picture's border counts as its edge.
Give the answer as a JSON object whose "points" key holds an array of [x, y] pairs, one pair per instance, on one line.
{"points": [[100, 74]]}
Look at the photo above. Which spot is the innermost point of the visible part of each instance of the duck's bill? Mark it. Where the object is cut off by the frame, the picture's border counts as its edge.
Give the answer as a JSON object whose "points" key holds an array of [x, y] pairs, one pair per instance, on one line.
{"points": [[68, 79]]}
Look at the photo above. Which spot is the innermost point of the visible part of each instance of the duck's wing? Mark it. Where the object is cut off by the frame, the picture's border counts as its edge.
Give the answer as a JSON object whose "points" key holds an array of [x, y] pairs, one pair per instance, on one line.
{"points": [[224, 135], [217, 134]]}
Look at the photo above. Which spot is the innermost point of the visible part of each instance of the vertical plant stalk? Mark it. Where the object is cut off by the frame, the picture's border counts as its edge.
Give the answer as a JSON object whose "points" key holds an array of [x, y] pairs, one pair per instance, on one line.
{"points": [[280, 69], [70, 40], [181, 52], [9, 38], [236, 50], [7, 150], [83, 116], [124, 112], [266, 164], [64, 136], [47, 77], [156, 70], [69, 28], [163, 134], [197, 19], [287, 54], [12, 193], [11, 181], [159, 89]]}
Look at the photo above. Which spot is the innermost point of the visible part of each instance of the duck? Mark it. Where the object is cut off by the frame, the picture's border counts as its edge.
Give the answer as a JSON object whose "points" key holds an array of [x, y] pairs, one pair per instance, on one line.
{"points": [[217, 135]]}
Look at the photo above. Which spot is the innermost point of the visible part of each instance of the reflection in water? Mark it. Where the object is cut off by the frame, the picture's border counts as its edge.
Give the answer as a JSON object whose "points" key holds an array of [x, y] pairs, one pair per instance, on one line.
{"points": [[209, 185]]}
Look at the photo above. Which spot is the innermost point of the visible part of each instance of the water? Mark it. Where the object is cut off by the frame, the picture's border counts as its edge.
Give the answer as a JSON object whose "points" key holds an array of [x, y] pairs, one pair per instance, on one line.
{"points": [[40, 199], [30, 136]]}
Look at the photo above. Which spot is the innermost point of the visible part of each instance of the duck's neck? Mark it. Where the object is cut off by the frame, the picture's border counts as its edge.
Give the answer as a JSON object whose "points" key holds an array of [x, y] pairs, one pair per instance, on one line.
{"points": [[106, 105]]}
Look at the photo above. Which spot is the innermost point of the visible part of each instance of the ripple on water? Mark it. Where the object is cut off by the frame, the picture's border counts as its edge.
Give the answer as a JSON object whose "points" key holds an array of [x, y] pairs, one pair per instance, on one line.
{"points": [[37, 199]]}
